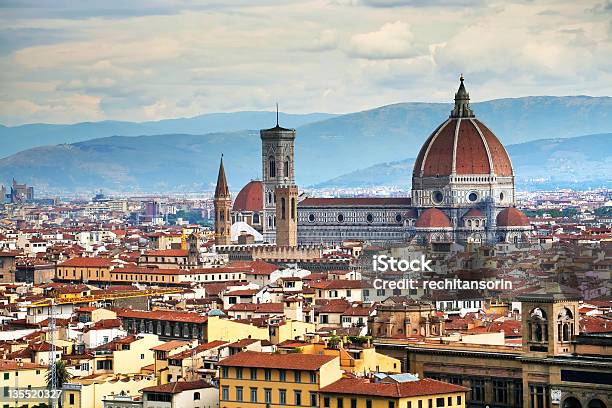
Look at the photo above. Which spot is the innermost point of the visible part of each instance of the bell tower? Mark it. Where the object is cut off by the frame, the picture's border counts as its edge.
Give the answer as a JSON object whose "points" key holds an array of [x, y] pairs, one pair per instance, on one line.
{"points": [[277, 153], [549, 320], [223, 204]]}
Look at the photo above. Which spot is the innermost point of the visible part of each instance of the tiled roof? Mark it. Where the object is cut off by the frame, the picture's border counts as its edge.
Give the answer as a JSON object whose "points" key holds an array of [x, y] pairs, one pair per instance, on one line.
{"points": [[88, 262], [167, 252], [257, 307], [292, 361], [177, 387], [170, 345], [354, 201], [9, 365], [359, 386]]}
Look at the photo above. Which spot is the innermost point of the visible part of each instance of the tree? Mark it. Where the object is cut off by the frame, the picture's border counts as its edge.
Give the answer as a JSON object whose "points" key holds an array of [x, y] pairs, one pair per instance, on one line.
{"points": [[61, 374]]}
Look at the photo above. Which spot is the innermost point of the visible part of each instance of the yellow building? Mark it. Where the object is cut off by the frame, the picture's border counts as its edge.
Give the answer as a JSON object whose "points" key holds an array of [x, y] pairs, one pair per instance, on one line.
{"points": [[126, 355], [228, 330], [84, 269], [357, 358], [250, 379], [364, 393], [88, 392], [16, 374]]}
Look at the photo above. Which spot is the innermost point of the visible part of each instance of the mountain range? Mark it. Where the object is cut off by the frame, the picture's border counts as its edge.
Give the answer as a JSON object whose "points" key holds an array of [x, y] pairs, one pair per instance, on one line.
{"points": [[326, 146]]}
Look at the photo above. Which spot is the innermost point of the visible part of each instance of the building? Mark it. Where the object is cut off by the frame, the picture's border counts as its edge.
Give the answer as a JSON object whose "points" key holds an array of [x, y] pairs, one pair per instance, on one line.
{"points": [[555, 366], [250, 379], [7, 266], [21, 193], [25, 375], [89, 391], [223, 203], [391, 393], [462, 191], [181, 394]]}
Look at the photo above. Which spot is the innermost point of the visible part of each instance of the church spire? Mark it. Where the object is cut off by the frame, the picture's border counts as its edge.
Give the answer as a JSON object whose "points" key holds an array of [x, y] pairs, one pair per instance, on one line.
{"points": [[462, 103], [222, 190]]}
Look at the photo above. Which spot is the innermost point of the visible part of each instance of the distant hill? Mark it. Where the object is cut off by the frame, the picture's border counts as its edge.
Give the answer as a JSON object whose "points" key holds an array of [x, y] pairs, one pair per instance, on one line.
{"points": [[578, 162], [17, 138], [325, 148]]}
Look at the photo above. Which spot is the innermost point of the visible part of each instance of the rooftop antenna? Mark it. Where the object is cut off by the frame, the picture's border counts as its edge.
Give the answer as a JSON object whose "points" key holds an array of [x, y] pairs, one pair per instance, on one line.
{"points": [[276, 114]]}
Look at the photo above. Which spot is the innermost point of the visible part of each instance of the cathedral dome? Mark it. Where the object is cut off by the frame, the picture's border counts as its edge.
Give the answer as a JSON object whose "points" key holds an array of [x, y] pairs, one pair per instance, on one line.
{"points": [[433, 218], [250, 198], [462, 145], [511, 217]]}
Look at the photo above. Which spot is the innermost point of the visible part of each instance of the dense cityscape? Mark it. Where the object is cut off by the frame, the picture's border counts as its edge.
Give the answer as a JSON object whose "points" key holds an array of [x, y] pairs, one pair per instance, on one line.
{"points": [[272, 296]]}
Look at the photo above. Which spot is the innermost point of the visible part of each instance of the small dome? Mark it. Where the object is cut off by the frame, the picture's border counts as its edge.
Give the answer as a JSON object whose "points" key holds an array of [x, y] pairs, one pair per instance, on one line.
{"points": [[250, 198], [511, 217], [216, 312], [433, 218], [473, 213]]}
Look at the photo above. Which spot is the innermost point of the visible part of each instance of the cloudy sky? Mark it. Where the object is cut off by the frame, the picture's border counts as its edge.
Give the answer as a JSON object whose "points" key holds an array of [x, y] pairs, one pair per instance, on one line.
{"points": [[143, 60]]}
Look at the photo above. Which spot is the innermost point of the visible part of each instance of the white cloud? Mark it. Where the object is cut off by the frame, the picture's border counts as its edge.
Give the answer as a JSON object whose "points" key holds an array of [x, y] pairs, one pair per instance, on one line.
{"points": [[393, 40]]}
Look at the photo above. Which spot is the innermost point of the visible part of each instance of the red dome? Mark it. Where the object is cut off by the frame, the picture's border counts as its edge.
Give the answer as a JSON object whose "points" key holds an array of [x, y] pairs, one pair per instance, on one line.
{"points": [[433, 218], [511, 217], [473, 213], [464, 145], [250, 198]]}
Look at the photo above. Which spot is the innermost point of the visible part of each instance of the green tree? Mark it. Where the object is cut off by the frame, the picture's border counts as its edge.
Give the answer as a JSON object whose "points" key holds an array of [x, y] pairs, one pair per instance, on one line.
{"points": [[61, 374]]}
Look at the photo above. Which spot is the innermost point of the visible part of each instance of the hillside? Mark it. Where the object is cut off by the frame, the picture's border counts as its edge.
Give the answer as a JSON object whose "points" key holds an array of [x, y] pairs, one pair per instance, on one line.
{"points": [[578, 162]]}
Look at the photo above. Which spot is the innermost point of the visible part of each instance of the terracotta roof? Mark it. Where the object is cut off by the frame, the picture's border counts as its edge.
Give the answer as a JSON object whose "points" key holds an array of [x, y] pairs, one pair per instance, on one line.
{"points": [[88, 262], [198, 349], [465, 146], [433, 218], [308, 362], [354, 201], [170, 345], [473, 212], [250, 198], [257, 307], [10, 365], [511, 217], [360, 386], [177, 387]]}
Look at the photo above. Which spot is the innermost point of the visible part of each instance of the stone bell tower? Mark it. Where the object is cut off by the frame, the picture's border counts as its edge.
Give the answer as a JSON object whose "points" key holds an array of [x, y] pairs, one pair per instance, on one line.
{"points": [[549, 321], [223, 205], [277, 155]]}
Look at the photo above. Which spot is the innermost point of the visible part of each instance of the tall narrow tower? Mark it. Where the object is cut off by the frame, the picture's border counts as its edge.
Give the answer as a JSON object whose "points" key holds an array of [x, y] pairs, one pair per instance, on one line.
{"points": [[277, 152], [223, 204]]}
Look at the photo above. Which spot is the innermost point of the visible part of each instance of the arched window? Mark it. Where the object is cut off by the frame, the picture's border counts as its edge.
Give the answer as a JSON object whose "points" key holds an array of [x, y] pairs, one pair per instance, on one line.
{"points": [[283, 209], [293, 208], [256, 218], [196, 396], [269, 197], [287, 167], [272, 167], [270, 222]]}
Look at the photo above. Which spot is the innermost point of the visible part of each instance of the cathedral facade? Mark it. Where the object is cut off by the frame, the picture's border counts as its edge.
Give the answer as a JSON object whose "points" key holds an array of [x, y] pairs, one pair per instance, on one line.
{"points": [[462, 191]]}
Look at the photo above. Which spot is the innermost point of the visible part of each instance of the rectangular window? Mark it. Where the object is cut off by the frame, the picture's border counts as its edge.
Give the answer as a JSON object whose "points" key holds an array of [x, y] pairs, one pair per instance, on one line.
{"points": [[239, 395], [450, 401], [253, 373], [239, 373], [353, 403], [369, 403], [391, 404], [224, 372], [71, 398], [440, 402], [459, 399], [500, 391], [282, 397], [297, 397], [6, 376], [282, 375], [268, 374], [253, 394], [298, 376], [478, 389], [313, 377], [225, 393], [326, 402], [268, 396], [340, 402], [313, 399]]}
